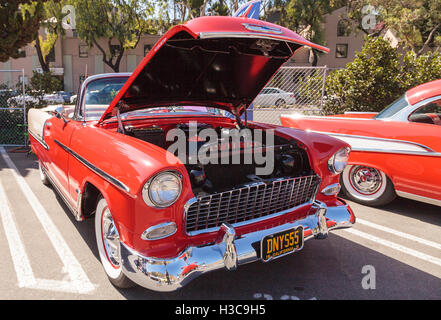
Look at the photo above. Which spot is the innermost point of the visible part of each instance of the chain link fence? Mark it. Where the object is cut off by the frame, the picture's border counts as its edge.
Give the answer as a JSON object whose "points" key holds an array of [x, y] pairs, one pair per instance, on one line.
{"points": [[291, 90], [13, 131]]}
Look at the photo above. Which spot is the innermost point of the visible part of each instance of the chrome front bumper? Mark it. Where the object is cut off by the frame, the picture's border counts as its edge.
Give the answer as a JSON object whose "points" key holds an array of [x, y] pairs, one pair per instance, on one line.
{"points": [[227, 252]]}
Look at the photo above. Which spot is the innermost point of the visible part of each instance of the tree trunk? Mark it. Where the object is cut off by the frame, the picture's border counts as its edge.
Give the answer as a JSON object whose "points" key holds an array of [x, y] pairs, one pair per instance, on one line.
{"points": [[313, 57], [109, 61], [42, 59]]}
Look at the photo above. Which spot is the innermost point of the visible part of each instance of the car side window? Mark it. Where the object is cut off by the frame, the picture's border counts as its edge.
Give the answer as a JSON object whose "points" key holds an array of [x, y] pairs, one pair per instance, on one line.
{"points": [[428, 113]]}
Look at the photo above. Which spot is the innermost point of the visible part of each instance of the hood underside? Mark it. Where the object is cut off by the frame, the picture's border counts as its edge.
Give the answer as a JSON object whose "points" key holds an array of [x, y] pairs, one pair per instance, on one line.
{"points": [[222, 71]]}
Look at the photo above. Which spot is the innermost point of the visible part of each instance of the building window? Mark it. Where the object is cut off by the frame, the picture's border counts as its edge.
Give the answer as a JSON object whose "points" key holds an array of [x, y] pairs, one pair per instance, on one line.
{"points": [[84, 51], [21, 53], [341, 50], [343, 28], [147, 48]]}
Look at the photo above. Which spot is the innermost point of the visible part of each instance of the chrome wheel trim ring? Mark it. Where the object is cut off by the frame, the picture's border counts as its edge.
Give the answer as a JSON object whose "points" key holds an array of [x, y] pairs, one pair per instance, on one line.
{"points": [[365, 180], [362, 195], [110, 238], [104, 239]]}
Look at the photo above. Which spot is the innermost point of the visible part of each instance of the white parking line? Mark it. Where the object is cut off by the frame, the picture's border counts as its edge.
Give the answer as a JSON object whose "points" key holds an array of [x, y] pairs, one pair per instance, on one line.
{"points": [[20, 259], [79, 282], [400, 234], [394, 245]]}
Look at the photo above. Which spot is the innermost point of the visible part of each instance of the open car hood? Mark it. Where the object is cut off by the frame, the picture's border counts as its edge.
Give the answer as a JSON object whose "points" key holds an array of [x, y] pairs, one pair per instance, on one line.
{"points": [[221, 62]]}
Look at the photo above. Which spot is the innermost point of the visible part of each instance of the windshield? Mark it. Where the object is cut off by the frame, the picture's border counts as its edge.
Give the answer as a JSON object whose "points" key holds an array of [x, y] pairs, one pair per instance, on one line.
{"points": [[100, 93], [393, 108]]}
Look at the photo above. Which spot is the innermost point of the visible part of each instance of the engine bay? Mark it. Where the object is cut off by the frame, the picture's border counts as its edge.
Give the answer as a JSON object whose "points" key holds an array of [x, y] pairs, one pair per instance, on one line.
{"points": [[233, 157]]}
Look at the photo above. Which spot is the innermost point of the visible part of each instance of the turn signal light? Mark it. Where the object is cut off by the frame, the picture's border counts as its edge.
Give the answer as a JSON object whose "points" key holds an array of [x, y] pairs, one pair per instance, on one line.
{"points": [[159, 231]]}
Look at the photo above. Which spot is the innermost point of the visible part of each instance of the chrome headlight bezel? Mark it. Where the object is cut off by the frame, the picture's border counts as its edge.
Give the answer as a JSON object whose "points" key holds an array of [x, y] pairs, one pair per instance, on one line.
{"points": [[339, 160], [146, 190]]}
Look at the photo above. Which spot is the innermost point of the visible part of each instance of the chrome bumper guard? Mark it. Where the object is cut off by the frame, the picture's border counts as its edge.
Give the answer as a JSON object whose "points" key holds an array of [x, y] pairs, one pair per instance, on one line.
{"points": [[227, 252]]}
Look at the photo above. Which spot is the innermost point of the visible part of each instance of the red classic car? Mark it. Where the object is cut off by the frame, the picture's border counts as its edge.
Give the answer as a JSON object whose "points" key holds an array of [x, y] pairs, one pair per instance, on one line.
{"points": [[162, 217], [394, 152]]}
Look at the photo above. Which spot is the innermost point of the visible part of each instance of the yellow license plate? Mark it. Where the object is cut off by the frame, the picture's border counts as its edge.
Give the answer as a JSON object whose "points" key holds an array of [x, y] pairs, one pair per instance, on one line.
{"points": [[281, 243]]}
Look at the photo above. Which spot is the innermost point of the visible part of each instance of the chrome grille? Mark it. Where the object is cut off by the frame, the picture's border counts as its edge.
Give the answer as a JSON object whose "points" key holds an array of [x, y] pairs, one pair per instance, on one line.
{"points": [[251, 202]]}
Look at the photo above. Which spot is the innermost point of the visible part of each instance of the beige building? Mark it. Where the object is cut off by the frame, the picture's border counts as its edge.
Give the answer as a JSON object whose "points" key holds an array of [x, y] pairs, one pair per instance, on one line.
{"points": [[342, 42], [72, 58]]}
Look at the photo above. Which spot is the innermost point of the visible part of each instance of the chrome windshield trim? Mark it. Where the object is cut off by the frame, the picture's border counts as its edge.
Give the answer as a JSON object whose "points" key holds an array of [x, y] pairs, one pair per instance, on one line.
{"points": [[98, 171], [80, 100], [403, 114]]}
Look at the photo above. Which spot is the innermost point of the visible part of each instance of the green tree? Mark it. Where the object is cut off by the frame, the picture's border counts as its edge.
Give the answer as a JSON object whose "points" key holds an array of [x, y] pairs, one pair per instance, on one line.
{"points": [[121, 23], [183, 10], [45, 82], [368, 83], [19, 24], [53, 30], [417, 23], [378, 76]]}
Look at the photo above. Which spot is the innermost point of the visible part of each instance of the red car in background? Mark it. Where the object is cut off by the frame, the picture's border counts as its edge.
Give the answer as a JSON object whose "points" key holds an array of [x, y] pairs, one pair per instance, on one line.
{"points": [[394, 152]]}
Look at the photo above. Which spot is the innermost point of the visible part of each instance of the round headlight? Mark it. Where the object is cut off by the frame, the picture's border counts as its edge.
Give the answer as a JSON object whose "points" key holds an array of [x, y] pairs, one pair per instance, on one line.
{"points": [[337, 163], [163, 189]]}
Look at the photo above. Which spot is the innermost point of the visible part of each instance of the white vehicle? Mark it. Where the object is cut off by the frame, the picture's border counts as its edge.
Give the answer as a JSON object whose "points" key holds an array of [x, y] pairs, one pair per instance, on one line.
{"points": [[73, 99], [271, 96], [17, 101], [54, 98], [47, 99]]}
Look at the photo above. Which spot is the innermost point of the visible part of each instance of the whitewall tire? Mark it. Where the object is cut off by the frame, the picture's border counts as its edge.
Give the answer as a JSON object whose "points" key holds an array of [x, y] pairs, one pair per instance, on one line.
{"points": [[108, 244], [367, 185], [43, 177]]}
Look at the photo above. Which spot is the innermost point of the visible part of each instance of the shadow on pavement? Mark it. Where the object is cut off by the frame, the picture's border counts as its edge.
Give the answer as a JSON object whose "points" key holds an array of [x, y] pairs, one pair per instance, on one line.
{"points": [[25, 162], [413, 209]]}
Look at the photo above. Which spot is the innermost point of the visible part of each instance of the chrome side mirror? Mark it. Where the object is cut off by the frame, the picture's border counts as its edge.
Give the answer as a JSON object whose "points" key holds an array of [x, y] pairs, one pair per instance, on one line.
{"points": [[58, 113]]}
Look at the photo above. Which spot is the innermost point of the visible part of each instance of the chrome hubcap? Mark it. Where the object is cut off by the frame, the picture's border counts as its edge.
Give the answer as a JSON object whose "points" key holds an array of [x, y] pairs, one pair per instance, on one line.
{"points": [[111, 238], [365, 180]]}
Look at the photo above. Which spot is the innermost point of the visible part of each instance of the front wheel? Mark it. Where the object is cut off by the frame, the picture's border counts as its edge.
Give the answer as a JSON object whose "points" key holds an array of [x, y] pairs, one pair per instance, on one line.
{"points": [[108, 243], [366, 185]]}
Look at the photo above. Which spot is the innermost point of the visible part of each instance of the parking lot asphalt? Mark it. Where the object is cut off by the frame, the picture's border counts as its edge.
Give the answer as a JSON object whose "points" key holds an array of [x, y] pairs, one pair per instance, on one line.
{"points": [[46, 254]]}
